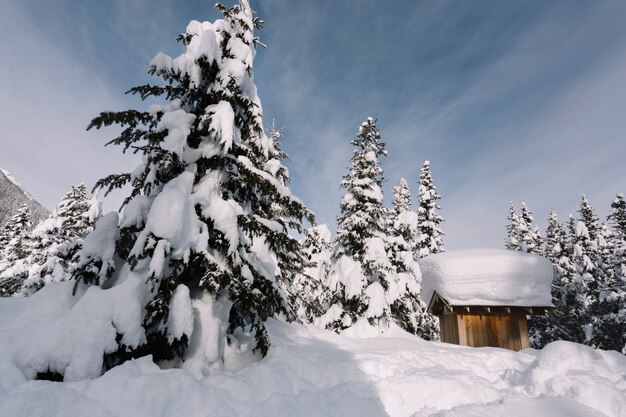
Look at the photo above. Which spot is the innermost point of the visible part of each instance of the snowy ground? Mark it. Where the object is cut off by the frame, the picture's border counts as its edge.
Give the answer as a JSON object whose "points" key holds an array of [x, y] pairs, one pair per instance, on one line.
{"points": [[311, 372]]}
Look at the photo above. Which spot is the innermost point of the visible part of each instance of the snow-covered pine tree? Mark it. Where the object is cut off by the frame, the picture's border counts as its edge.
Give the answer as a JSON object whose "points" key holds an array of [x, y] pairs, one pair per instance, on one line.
{"points": [[361, 279], [430, 236], [12, 248], [309, 294], [205, 227], [617, 221], [55, 242], [609, 330], [521, 234], [512, 240], [588, 260], [563, 323], [408, 310], [529, 236]]}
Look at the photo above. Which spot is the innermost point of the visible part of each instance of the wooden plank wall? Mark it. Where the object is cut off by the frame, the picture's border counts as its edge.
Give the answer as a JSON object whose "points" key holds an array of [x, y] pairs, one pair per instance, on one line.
{"points": [[500, 330], [449, 328]]}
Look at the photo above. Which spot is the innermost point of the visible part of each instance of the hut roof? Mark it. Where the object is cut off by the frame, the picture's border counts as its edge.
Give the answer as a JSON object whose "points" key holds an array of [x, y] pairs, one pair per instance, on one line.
{"points": [[487, 277]]}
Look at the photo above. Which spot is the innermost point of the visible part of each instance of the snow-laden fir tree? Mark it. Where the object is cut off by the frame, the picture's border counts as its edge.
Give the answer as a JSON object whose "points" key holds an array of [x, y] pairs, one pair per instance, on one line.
{"points": [[408, 310], [361, 279], [13, 247], [203, 240], [563, 323], [54, 243], [529, 235], [309, 294], [13, 231], [512, 240], [609, 330], [430, 236], [521, 234], [617, 221], [587, 257]]}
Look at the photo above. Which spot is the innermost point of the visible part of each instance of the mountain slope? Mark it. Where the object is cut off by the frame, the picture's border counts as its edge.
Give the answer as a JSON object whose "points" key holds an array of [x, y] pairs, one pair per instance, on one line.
{"points": [[13, 196]]}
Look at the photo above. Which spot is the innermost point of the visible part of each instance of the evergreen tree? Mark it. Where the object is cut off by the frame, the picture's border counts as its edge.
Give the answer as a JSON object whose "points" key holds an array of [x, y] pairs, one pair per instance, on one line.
{"points": [[309, 294], [408, 310], [529, 236], [360, 279], [512, 241], [562, 324], [430, 239], [206, 222], [609, 330], [588, 244], [617, 221], [12, 248], [55, 242]]}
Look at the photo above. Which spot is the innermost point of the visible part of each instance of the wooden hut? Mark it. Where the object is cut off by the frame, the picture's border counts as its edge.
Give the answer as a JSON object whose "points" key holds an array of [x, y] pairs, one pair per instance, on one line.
{"points": [[482, 297]]}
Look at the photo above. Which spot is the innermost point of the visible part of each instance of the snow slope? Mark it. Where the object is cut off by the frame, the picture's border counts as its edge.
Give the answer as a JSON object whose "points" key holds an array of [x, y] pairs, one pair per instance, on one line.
{"points": [[313, 372], [13, 196]]}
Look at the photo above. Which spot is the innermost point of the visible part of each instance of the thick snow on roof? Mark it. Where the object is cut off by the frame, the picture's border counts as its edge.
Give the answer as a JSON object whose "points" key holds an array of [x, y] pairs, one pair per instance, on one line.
{"points": [[493, 277]]}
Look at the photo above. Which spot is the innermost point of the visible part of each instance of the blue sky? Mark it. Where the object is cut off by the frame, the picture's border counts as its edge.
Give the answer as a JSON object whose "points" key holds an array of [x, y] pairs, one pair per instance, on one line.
{"points": [[510, 101]]}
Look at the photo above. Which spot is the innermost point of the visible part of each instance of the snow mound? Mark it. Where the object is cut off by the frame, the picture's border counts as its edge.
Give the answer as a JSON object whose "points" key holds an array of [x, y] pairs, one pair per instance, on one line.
{"points": [[488, 277]]}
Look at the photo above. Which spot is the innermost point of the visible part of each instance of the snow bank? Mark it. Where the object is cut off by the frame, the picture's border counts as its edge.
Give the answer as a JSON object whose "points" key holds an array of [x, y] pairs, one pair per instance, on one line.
{"points": [[313, 372], [53, 332], [487, 277]]}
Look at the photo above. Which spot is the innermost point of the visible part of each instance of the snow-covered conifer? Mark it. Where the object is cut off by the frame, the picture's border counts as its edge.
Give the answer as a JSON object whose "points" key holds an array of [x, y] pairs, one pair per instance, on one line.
{"points": [[55, 241], [360, 278], [617, 221], [512, 240], [430, 236], [309, 294], [13, 247], [205, 227], [521, 234], [562, 324], [529, 235], [609, 311], [408, 310]]}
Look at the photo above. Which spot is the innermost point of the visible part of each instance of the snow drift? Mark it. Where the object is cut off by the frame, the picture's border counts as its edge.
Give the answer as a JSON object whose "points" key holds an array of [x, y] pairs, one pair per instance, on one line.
{"points": [[307, 372]]}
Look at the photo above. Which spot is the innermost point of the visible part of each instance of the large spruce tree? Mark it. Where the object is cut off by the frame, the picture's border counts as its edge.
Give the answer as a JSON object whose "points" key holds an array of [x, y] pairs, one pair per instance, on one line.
{"points": [[361, 278], [206, 223]]}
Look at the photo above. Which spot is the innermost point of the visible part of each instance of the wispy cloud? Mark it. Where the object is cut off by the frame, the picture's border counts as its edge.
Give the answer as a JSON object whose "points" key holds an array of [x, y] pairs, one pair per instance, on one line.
{"points": [[47, 101], [509, 101]]}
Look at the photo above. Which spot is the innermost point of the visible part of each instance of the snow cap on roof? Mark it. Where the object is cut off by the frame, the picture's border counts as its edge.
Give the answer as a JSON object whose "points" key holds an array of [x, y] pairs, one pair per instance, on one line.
{"points": [[487, 277]]}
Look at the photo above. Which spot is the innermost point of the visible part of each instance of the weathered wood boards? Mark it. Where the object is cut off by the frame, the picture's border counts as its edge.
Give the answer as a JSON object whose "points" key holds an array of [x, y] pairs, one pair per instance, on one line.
{"points": [[477, 330]]}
